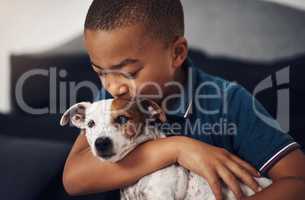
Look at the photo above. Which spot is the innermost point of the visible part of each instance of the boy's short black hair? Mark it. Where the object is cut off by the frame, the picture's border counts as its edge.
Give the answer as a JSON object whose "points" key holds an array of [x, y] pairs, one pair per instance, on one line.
{"points": [[162, 19]]}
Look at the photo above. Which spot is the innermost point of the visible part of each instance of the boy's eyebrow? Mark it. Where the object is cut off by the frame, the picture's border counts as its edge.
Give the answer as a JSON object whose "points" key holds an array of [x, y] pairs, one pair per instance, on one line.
{"points": [[118, 66]]}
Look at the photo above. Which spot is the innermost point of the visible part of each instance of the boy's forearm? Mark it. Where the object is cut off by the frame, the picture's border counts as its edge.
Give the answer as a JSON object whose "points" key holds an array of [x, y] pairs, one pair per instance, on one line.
{"points": [[289, 178], [85, 174], [283, 189]]}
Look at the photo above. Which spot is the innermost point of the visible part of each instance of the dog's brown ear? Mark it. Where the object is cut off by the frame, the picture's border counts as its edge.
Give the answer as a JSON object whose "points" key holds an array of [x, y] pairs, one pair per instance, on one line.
{"points": [[76, 114], [151, 108]]}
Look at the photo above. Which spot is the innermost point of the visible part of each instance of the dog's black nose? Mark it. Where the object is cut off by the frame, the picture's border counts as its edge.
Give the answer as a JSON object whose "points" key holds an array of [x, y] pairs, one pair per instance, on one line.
{"points": [[104, 146]]}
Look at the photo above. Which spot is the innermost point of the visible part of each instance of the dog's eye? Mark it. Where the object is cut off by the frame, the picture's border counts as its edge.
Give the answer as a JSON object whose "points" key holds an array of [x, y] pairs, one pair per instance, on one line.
{"points": [[91, 124], [121, 119]]}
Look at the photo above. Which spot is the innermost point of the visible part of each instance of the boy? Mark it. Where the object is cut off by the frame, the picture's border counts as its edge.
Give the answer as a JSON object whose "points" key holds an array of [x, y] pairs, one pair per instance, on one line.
{"points": [[137, 47]]}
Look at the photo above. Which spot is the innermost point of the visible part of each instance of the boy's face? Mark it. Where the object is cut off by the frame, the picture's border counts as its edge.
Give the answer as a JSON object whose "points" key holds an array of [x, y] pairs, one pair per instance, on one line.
{"points": [[130, 63]]}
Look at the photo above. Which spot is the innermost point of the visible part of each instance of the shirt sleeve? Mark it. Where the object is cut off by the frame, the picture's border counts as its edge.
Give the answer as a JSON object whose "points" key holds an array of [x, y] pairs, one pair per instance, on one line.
{"points": [[259, 139]]}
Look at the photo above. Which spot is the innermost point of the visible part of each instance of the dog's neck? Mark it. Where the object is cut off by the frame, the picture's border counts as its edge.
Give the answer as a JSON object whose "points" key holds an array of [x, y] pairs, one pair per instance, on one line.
{"points": [[147, 135]]}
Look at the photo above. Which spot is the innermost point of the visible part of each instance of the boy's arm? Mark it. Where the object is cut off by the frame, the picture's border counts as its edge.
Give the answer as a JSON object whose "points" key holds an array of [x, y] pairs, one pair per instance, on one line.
{"points": [[289, 179], [84, 173], [261, 141]]}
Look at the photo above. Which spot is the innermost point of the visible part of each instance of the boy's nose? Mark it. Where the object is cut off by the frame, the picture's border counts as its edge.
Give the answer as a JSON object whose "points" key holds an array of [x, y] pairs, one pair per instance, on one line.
{"points": [[118, 91], [115, 87]]}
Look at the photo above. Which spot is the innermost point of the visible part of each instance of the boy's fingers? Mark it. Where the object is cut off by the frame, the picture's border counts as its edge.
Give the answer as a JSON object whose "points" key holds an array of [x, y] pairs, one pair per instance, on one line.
{"points": [[230, 181], [214, 183], [244, 176], [245, 165]]}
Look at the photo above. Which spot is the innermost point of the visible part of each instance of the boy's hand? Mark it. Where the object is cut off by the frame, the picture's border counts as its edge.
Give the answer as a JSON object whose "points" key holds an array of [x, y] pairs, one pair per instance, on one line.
{"points": [[216, 165]]}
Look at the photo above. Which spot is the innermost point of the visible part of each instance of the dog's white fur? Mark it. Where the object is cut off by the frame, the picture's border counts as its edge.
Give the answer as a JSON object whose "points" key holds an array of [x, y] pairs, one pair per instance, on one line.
{"points": [[173, 182]]}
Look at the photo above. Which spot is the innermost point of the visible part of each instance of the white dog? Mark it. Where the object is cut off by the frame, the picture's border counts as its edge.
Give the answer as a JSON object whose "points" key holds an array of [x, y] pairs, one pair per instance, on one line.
{"points": [[115, 127]]}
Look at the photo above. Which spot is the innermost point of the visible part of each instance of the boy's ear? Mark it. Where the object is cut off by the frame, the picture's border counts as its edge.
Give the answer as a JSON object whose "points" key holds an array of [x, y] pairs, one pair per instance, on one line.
{"points": [[152, 109], [77, 115], [180, 51]]}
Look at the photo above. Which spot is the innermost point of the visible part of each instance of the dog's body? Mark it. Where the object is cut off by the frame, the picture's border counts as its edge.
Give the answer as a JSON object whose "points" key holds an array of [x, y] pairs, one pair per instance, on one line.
{"points": [[175, 182], [116, 127]]}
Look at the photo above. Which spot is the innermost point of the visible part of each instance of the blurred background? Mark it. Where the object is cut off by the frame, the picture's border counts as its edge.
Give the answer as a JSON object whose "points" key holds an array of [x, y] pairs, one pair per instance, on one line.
{"points": [[246, 29], [248, 41]]}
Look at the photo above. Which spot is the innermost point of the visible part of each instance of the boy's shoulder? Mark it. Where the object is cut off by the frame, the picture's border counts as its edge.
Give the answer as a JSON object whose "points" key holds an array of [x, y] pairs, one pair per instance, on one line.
{"points": [[212, 90], [209, 82], [258, 137]]}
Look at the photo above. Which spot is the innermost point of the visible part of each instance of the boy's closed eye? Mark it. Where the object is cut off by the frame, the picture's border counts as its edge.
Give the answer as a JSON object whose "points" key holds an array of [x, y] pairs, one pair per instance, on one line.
{"points": [[128, 72]]}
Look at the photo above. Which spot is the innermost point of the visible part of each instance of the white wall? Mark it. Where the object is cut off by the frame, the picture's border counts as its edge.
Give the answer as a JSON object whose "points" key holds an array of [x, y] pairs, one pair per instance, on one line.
{"points": [[33, 26], [38, 25], [300, 4]]}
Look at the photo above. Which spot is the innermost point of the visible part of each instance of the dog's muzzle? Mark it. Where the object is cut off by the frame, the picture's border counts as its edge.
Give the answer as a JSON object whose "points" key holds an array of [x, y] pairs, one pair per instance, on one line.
{"points": [[104, 147]]}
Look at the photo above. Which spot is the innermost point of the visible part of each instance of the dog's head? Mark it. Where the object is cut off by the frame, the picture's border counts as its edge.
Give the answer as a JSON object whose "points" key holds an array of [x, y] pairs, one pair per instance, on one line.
{"points": [[114, 127]]}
